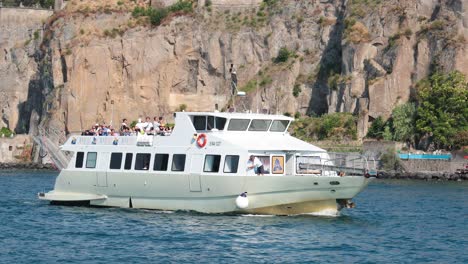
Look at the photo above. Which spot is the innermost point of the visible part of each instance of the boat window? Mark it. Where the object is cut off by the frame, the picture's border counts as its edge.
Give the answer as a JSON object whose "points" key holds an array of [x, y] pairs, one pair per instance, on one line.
{"points": [[160, 162], [220, 123], [231, 163], [216, 122], [238, 124], [142, 161], [199, 122], [308, 165], [91, 160], [178, 162], [279, 125], [115, 161], [128, 161], [212, 163], [79, 160], [259, 125]]}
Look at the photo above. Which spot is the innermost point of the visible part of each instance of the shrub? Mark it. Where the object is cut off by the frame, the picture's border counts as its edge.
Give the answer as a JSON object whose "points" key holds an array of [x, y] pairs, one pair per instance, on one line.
{"points": [[36, 35], [389, 161], [337, 126], [297, 115], [283, 55], [296, 90], [157, 15], [357, 33], [376, 129], [182, 108], [6, 132], [265, 81]]}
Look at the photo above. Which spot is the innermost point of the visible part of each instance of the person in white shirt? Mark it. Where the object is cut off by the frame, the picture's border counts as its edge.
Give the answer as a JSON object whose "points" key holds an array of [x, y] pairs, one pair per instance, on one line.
{"points": [[140, 126], [255, 165], [156, 125], [148, 125]]}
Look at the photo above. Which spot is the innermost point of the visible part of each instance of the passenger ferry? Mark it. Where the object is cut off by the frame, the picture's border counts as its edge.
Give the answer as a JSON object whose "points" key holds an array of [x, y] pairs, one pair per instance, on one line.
{"points": [[204, 165]]}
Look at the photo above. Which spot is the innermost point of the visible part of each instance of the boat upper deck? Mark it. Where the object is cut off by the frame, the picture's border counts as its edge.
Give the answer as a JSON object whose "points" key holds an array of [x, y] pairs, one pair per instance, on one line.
{"points": [[222, 130]]}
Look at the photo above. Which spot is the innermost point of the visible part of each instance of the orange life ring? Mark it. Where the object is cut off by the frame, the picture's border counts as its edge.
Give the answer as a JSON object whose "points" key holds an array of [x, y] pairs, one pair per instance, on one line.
{"points": [[201, 140]]}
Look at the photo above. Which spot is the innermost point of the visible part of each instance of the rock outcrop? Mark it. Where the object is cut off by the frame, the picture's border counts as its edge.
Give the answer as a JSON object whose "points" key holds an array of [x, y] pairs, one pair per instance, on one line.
{"points": [[97, 63]]}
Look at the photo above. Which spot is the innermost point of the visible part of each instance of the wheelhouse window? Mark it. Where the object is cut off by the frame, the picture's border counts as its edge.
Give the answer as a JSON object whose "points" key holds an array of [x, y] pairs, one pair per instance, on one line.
{"points": [[215, 122], [231, 163], [160, 162], [212, 163], [115, 161], [79, 160], [178, 162], [308, 165], [142, 161], [199, 122], [279, 125], [238, 124], [91, 160], [259, 125], [128, 161]]}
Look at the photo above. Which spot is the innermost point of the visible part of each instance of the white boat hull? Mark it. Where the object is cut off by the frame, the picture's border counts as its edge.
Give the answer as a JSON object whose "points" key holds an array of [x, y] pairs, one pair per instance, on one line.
{"points": [[282, 195]]}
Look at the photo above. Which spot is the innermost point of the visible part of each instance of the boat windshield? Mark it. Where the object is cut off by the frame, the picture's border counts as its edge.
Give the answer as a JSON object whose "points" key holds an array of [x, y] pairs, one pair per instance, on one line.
{"points": [[259, 125], [279, 125], [238, 124], [209, 122], [308, 165]]}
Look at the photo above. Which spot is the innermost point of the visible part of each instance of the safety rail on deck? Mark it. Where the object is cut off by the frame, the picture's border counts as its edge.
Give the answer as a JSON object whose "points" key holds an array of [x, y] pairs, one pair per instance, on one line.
{"points": [[139, 140], [341, 165]]}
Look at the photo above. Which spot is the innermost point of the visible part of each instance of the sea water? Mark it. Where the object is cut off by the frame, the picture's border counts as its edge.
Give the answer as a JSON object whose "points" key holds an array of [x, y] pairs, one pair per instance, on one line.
{"points": [[394, 222]]}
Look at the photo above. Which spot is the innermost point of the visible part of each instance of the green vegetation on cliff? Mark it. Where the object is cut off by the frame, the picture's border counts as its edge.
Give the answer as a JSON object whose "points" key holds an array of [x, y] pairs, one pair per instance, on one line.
{"points": [[157, 15], [440, 113], [336, 126], [443, 107]]}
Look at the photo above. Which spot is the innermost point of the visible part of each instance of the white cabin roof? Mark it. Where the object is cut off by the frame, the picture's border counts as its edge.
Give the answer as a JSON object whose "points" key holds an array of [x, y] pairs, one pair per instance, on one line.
{"points": [[236, 115], [262, 141]]}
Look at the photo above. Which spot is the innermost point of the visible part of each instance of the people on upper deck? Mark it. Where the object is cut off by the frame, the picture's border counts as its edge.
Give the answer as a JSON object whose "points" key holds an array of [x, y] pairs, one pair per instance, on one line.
{"points": [[124, 125], [149, 127]]}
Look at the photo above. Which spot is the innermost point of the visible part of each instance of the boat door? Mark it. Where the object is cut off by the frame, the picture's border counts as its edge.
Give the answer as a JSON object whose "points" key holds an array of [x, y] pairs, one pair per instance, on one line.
{"points": [[101, 173], [196, 166]]}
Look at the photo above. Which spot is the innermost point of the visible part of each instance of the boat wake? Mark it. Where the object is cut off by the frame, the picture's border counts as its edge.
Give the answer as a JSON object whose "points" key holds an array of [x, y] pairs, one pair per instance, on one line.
{"points": [[326, 212]]}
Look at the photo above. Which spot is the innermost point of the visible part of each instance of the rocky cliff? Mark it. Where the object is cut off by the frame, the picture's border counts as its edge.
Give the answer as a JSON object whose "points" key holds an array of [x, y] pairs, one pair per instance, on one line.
{"points": [[96, 62]]}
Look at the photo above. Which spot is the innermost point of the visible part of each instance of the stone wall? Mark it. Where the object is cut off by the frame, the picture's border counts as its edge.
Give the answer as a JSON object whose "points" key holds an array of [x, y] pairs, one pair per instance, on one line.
{"points": [[431, 165], [13, 149], [376, 147]]}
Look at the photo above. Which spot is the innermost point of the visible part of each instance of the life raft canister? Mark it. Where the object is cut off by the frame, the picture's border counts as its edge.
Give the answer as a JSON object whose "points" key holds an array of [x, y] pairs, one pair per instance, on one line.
{"points": [[201, 140]]}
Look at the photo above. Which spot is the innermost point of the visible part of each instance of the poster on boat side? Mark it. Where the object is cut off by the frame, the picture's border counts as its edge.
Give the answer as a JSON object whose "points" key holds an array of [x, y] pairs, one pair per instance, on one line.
{"points": [[277, 163]]}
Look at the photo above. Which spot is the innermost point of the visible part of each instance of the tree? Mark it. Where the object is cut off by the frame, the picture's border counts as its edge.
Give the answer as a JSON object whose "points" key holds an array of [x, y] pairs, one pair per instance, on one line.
{"points": [[404, 118], [376, 129], [443, 107]]}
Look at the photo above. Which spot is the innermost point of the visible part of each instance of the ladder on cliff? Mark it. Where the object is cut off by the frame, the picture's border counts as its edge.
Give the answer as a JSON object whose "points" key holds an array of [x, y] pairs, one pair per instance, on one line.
{"points": [[49, 146]]}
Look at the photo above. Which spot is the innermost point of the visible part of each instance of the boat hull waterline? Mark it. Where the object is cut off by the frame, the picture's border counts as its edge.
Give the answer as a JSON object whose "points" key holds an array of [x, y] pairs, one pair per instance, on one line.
{"points": [[277, 195]]}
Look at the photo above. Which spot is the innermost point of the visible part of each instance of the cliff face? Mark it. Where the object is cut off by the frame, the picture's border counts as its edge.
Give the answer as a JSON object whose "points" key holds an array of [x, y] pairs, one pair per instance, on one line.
{"points": [[97, 63]]}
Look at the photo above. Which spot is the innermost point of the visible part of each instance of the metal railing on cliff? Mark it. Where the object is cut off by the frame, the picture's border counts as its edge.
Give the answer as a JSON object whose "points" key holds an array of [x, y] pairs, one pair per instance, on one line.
{"points": [[20, 6]]}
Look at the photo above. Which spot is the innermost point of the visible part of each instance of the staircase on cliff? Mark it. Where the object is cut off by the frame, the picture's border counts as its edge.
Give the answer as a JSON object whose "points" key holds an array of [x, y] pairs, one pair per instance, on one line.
{"points": [[49, 146]]}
